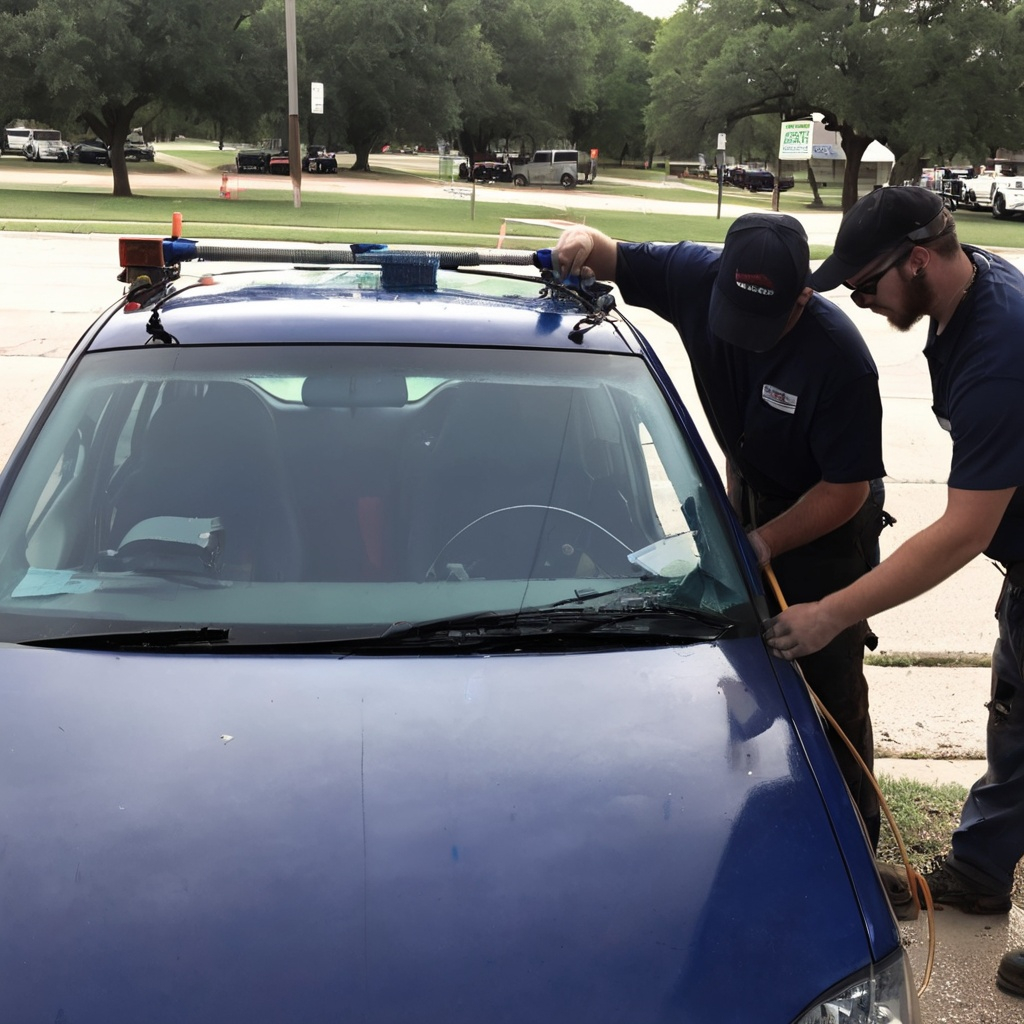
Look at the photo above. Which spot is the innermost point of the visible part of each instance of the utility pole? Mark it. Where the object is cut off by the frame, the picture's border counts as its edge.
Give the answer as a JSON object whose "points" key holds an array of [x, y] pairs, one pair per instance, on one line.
{"points": [[294, 156]]}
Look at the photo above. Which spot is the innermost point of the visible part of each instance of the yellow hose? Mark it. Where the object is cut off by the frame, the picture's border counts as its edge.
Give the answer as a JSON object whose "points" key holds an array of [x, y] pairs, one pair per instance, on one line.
{"points": [[915, 881]]}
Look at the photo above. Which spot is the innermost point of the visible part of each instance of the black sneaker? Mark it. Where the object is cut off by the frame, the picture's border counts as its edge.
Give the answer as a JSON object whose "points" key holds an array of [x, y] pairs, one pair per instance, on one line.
{"points": [[1010, 976], [949, 886]]}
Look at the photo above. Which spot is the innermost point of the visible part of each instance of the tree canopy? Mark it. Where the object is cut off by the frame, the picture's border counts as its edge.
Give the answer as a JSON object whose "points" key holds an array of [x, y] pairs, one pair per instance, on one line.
{"points": [[930, 77]]}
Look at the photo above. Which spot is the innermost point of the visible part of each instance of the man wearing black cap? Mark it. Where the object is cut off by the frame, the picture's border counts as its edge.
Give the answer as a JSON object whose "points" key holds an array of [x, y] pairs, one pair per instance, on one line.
{"points": [[897, 250], [791, 393]]}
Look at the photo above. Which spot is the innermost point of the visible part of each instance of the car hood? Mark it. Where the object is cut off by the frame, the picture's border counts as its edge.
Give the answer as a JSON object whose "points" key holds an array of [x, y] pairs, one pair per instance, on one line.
{"points": [[594, 837]]}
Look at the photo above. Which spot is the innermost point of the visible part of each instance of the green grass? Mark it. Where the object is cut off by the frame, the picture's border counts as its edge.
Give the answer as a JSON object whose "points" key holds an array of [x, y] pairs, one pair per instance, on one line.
{"points": [[325, 216], [340, 216], [926, 816], [929, 659]]}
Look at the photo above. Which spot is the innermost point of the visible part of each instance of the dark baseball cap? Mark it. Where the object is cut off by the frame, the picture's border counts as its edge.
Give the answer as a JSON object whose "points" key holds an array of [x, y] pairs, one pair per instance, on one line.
{"points": [[763, 270], [877, 224]]}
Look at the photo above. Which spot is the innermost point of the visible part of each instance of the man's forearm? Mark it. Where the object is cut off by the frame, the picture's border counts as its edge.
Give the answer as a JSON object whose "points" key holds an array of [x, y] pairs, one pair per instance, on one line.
{"points": [[824, 508]]}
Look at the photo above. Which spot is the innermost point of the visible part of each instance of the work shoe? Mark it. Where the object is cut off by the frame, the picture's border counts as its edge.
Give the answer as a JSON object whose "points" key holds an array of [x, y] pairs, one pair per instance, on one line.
{"points": [[949, 886], [1010, 976], [894, 878]]}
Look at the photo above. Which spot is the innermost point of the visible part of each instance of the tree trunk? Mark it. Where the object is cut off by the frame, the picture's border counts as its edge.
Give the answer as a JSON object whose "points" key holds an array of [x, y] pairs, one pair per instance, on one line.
{"points": [[119, 168], [813, 182], [362, 156], [854, 146]]}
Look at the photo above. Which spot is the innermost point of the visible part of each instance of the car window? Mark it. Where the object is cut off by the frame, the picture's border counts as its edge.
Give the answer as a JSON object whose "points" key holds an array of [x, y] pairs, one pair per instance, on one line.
{"points": [[307, 487]]}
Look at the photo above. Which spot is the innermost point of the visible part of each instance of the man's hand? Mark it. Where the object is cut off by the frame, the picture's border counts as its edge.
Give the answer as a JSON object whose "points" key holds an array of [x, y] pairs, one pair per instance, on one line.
{"points": [[800, 630], [581, 247]]}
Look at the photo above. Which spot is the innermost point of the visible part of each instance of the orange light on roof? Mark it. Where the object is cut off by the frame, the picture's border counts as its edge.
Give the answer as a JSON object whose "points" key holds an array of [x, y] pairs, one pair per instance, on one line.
{"points": [[175, 225], [141, 252]]}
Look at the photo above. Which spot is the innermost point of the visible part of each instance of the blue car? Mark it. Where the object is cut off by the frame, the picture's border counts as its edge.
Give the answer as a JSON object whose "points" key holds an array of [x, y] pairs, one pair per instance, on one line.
{"points": [[377, 644]]}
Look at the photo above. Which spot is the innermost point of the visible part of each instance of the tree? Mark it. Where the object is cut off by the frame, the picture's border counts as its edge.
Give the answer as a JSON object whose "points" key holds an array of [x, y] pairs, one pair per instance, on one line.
{"points": [[384, 67], [612, 121], [100, 64], [873, 69]]}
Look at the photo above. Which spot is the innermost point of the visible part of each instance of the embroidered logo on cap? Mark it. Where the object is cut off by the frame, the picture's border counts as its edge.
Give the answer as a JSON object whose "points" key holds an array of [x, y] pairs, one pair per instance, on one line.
{"points": [[779, 399], [760, 284]]}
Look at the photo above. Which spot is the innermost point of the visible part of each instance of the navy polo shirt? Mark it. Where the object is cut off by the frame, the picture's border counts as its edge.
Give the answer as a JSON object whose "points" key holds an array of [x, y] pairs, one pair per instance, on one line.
{"points": [[806, 410], [977, 371]]}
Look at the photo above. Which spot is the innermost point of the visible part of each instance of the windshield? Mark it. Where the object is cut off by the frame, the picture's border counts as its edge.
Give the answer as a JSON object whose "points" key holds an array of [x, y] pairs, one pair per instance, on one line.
{"points": [[325, 491]]}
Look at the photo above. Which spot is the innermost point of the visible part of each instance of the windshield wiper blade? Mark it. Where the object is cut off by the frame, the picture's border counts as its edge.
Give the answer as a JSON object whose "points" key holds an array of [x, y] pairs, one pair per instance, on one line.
{"points": [[673, 623], [136, 640]]}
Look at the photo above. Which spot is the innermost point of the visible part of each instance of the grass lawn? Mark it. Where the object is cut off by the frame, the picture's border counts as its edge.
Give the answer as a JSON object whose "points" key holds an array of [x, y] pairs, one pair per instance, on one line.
{"points": [[50, 204], [325, 217]]}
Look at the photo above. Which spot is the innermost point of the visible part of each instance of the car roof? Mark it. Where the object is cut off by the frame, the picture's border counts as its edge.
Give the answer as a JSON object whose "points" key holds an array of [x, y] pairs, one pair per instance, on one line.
{"points": [[394, 297]]}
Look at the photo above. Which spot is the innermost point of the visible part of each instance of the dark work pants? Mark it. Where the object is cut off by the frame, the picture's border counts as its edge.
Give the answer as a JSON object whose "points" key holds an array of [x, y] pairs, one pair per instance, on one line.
{"points": [[836, 672], [990, 840]]}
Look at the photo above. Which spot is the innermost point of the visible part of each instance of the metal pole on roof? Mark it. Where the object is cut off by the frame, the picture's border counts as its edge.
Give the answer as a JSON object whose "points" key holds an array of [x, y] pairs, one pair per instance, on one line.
{"points": [[294, 156]]}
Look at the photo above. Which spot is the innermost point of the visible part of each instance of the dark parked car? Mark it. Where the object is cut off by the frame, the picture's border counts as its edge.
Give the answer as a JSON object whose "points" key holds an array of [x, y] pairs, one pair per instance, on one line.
{"points": [[757, 179], [258, 157], [91, 151], [318, 160], [377, 643], [487, 170]]}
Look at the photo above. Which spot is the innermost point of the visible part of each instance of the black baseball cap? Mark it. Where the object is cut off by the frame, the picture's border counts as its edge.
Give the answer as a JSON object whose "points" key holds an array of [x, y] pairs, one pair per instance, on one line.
{"points": [[877, 224], [763, 270]]}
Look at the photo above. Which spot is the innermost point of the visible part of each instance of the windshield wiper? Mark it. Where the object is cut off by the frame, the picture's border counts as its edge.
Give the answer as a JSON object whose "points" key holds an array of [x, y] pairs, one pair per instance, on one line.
{"points": [[645, 625], [137, 640]]}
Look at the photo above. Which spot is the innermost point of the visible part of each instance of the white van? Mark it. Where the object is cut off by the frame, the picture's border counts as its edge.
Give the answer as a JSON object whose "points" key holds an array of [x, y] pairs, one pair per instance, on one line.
{"points": [[14, 139], [563, 167]]}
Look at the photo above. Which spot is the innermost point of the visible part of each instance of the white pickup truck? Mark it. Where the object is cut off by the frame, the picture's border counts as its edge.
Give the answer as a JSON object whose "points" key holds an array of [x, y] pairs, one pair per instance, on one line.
{"points": [[1003, 194]]}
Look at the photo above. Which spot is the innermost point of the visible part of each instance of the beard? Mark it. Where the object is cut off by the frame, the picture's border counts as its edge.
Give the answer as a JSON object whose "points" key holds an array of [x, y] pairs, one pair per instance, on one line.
{"points": [[918, 300]]}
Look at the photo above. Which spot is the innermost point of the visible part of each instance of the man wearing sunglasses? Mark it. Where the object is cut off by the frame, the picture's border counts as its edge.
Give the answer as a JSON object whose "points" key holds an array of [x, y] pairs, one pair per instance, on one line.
{"points": [[898, 252], [791, 393]]}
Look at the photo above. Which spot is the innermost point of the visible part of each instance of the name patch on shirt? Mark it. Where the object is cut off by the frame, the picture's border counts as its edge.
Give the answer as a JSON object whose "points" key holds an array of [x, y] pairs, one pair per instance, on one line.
{"points": [[779, 399]]}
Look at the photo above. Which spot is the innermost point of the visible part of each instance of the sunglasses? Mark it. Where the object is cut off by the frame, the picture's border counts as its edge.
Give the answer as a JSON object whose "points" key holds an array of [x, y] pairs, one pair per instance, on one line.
{"points": [[869, 286]]}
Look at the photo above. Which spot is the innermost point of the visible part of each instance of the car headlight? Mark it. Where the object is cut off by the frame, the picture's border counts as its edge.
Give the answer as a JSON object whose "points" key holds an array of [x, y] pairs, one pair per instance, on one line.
{"points": [[883, 994]]}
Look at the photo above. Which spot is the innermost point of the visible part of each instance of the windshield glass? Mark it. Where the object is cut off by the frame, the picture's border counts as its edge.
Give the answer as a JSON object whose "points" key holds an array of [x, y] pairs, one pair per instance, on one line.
{"points": [[308, 491]]}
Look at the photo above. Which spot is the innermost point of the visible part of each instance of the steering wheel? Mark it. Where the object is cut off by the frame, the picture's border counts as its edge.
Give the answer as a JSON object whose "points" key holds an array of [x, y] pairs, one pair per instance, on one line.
{"points": [[532, 553]]}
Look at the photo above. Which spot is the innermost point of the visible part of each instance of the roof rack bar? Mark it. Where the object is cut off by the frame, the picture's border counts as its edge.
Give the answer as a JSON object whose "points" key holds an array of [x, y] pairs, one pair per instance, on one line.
{"points": [[180, 250]]}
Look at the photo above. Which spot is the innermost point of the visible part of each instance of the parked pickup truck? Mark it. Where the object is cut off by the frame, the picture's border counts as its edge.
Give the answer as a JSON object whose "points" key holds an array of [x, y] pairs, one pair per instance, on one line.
{"points": [[565, 167], [258, 157], [993, 190], [756, 179]]}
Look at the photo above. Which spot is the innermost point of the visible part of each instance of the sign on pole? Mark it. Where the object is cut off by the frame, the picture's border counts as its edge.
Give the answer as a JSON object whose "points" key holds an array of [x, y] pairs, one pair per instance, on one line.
{"points": [[795, 140], [317, 97]]}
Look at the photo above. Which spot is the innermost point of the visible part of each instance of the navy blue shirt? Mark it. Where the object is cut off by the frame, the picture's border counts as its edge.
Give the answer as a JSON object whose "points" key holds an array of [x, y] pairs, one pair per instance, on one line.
{"points": [[977, 370], [806, 410]]}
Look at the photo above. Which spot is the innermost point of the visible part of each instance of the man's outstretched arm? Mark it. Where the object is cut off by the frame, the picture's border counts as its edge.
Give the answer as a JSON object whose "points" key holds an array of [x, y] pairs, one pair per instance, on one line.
{"points": [[963, 531]]}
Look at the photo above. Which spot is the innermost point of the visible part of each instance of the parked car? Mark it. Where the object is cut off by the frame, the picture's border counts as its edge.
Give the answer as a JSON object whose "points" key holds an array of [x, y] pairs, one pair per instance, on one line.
{"points": [[279, 163], [318, 160], [137, 148], [46, 144], [14, 139], [486, 170], [565, 167], [258, 158], [756, 179], [91, 151], [378, 643]]}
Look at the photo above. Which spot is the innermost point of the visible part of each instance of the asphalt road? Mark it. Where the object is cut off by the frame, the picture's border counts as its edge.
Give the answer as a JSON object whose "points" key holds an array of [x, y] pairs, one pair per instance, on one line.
{"points": [[52, 286]]}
